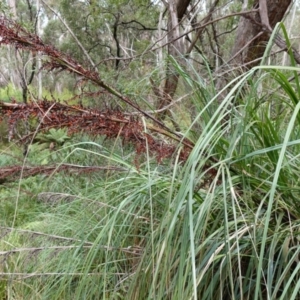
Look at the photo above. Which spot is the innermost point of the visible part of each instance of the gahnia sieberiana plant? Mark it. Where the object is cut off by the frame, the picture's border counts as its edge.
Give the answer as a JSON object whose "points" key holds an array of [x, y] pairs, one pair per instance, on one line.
{"points": [[224, 224]]}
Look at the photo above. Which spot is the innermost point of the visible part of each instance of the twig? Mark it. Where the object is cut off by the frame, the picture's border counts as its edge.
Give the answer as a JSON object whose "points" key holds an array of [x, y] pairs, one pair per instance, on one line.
{"points": [[73, 35]]}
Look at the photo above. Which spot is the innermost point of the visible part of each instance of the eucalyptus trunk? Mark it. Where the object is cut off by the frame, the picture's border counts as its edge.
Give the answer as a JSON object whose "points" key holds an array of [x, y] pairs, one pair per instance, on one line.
{"points": [[176, 11], [254, 31]]}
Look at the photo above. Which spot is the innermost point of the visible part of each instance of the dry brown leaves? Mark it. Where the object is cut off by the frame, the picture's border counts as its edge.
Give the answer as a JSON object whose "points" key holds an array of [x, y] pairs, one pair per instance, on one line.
{"points": [[108, 123]]}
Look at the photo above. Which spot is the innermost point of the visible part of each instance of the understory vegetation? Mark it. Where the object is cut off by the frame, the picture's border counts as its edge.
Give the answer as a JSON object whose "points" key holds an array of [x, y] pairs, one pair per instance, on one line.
{"points": [[222, 225], [202, 203]]}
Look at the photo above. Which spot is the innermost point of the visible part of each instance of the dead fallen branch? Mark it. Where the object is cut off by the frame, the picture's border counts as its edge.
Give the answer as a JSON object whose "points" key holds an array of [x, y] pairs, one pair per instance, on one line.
{"points": [[108, 123], [12, 173], [12, 33]]}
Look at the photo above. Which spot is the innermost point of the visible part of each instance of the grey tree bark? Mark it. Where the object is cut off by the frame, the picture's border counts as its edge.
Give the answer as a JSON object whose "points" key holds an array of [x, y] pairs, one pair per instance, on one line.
{"points": [[254, 31], [176, 11]]}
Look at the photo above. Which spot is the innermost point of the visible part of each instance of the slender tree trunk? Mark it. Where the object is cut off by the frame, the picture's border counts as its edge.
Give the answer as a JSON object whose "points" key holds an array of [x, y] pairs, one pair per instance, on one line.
{"points": [[12, 5], [176, 11], [39, 63], [13, 74]]}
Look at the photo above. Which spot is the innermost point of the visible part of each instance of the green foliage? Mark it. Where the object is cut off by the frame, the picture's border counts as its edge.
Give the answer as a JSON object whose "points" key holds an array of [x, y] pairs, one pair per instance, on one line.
{"points": [[58, 136], [4, 8], [10, 92], [222, 225], [53, 32], [49, 146]]}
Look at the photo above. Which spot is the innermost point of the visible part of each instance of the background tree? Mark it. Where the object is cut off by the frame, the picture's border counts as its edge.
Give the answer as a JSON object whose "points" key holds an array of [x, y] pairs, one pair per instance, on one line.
{"points": [[129, 40], [254, 31]]}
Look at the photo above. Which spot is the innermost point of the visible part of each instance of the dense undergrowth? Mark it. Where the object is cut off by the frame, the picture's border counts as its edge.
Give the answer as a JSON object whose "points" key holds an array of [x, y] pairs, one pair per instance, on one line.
{"points": [[222, 225]]}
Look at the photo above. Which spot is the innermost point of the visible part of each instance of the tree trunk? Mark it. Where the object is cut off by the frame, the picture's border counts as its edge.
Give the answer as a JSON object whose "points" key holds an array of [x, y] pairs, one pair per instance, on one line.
{"points": [[13, 8], [176, 11], [252, 37], [253, 32]]}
